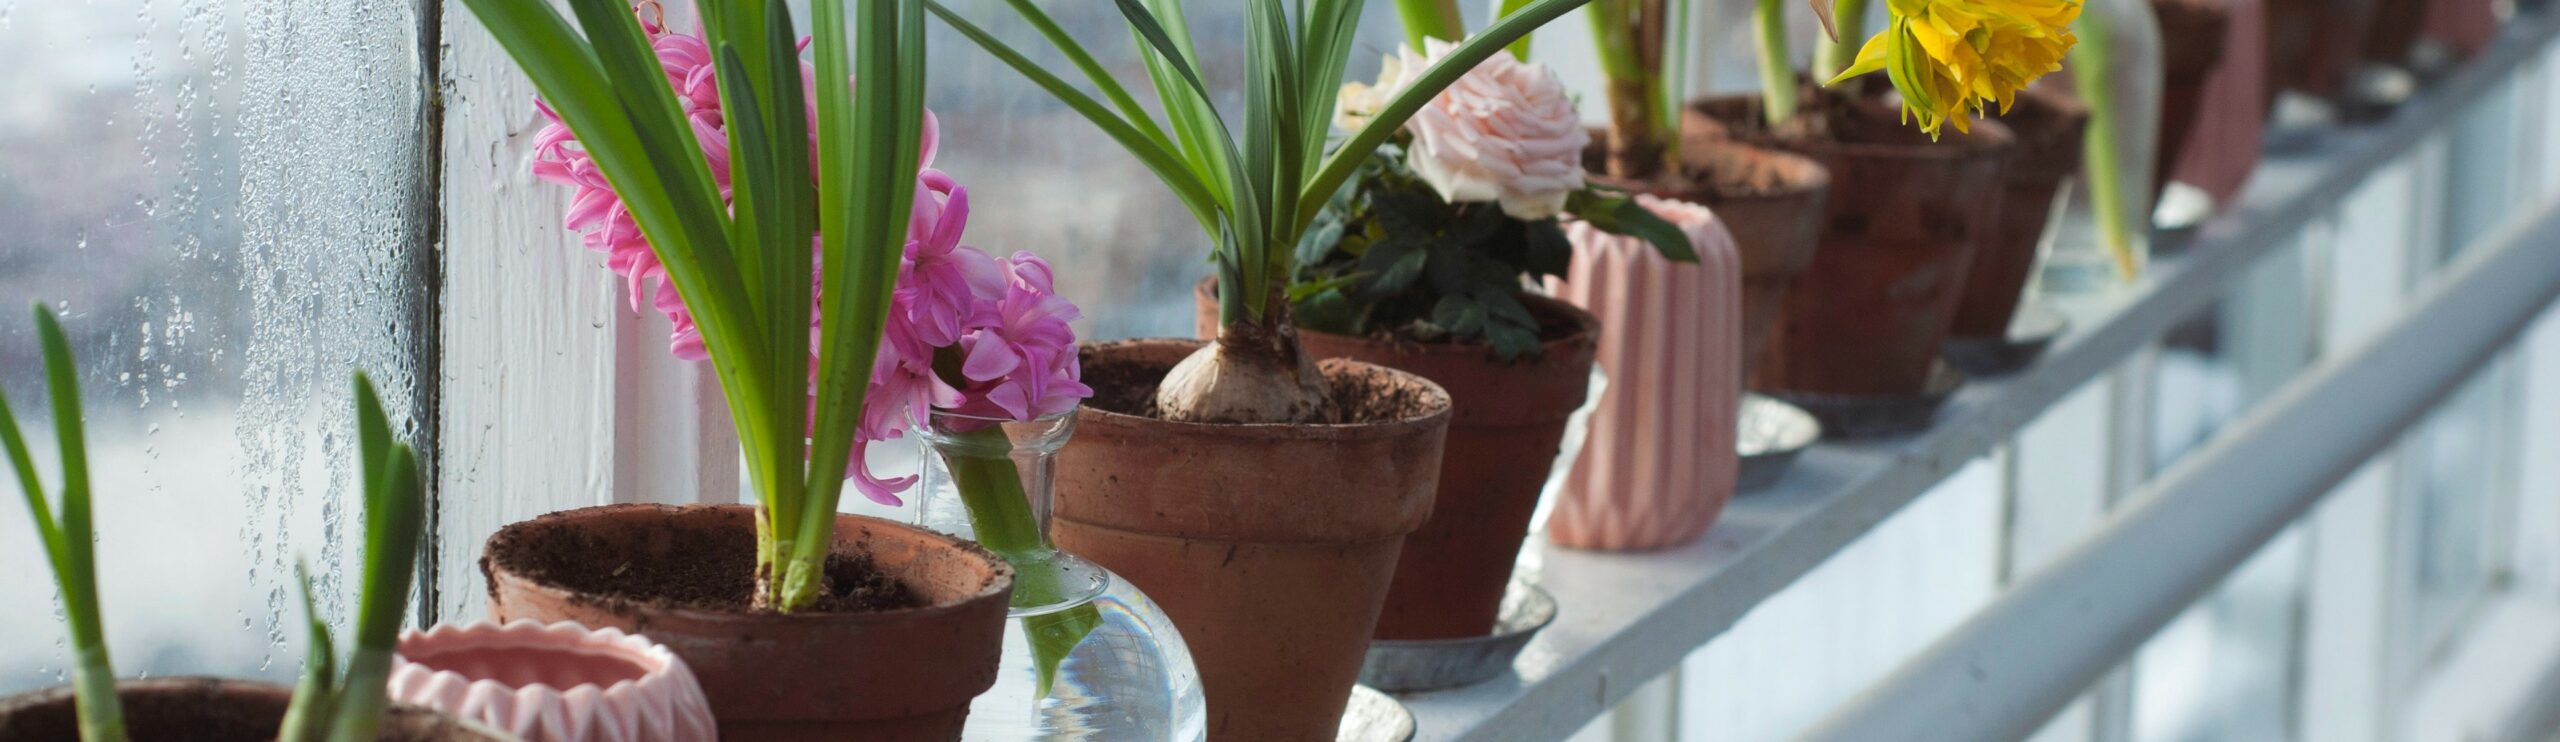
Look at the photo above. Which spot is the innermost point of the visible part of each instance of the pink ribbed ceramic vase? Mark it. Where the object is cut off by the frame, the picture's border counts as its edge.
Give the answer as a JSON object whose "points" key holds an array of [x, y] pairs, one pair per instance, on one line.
{"points": [[553, 683], [1657, 463]]}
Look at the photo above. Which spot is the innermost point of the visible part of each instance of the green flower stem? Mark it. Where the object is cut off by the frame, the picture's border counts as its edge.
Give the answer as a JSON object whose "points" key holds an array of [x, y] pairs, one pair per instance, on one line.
{"points": [[2110, 202], [990, 486], [1778, 93], [93, 690], [1831, 55], [1639, 144], [1504, 9]]}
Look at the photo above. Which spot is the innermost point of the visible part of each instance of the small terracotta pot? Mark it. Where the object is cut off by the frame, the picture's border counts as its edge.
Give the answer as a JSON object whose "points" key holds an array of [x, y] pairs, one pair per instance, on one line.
{"points": [[1658, 460], [1771, 200], [2050, 126], [2191, 46], [1270, 546], [209, 710], [2466, 25], [892, 674], [2397, 26], [2312, 45], [1509, 417], [1904, 220], [2231, 127], [553, 683]]}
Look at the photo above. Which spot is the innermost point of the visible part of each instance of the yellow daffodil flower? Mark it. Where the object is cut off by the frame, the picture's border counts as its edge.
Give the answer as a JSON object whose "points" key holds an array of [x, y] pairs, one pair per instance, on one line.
{"points": [[1952, 58]]}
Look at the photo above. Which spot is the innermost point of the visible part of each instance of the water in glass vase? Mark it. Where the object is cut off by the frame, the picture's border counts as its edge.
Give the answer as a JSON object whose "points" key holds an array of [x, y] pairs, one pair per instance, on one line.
{"points": [[1086, 656]]}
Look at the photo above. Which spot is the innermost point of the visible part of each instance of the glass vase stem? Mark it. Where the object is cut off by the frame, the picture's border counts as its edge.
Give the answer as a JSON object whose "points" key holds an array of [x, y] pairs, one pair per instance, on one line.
{"points": [[991, 488]]}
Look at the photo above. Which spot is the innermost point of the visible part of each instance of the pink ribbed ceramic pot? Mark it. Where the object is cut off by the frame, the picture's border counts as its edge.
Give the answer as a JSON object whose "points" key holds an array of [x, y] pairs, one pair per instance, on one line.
{"points": [[553, 683], [1657, 463]]}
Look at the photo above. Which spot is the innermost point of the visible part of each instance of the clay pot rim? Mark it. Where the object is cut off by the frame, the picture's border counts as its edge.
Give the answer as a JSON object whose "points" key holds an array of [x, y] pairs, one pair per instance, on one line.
{"points": [[187, 684], [1437, 412], [18, 702], [1802, 176], [1989, 138], [1997, 137], [1586, 330], [997, 587], [1821, 175]]}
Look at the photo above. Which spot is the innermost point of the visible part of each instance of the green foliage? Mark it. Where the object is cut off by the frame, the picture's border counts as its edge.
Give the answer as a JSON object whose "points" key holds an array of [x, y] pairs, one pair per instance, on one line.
{"points": [[1388, 256], [348, 708], [743, 268], [69, 537], [1256, 196]]}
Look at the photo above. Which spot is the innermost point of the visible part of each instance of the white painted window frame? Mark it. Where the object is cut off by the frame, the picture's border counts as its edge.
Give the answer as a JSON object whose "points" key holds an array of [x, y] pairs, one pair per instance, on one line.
{"points": [[542, 349]]}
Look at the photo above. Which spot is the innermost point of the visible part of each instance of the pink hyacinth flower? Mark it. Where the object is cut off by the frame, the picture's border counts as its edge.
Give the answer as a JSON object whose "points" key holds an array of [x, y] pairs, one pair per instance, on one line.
{"points": [[1001, 317]]}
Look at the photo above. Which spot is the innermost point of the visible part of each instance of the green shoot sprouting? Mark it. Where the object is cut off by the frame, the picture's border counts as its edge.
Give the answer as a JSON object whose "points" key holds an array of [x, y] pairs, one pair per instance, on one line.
{"points": [[348, 708], [69, 536], [1838, 49], [1642, 46], [1779, 96], [744, 268]]}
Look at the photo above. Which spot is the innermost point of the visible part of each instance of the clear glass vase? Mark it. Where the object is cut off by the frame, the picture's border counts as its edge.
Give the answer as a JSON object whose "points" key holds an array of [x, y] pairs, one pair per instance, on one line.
{"points": [[2118, 70], [1087, 656]]}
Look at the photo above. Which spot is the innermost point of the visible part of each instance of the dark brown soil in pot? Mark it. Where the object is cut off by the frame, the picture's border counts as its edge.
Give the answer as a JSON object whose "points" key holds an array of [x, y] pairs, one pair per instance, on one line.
{"points": [[908, 636], [1270, 546], [1900, 229], [206, 710], [2050, 127], [2191, 36], [1508, 417], [1770, 199]]}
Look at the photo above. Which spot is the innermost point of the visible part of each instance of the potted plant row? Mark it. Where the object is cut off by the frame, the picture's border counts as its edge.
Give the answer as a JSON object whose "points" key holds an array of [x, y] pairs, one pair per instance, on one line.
{"points": [[1263, 496]]}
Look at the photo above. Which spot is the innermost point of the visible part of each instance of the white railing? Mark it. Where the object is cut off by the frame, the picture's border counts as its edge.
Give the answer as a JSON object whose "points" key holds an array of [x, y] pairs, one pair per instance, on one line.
{"points": [[1633, 621]]}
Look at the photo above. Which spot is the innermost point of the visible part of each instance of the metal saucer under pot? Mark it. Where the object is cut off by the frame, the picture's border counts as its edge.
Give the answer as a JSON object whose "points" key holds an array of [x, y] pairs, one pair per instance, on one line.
{"points": [[2034, 329], [1411, 665], [1856, 416], [1769, 434]]}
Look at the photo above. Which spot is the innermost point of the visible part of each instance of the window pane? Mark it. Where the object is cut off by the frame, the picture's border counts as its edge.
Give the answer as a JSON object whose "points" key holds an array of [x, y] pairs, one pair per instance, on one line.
{"points": [[220, 196]]}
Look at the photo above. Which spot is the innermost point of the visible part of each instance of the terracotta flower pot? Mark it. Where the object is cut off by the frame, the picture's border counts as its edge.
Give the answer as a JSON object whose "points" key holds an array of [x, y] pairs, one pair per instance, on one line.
{"points": [[1905, 217], [1270, 546], [553, 683], [2192, 42], [2397, 26], [2050, 126], [209, 710], [1657, 464], [1509, 417], [2231, 127], [2312, 45], [1770, 200], [681, 575], [2466, 25]]}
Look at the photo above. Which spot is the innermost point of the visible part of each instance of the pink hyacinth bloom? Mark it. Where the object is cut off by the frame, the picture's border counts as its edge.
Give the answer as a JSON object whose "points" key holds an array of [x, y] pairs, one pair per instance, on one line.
{"points": [[1001, 317]]}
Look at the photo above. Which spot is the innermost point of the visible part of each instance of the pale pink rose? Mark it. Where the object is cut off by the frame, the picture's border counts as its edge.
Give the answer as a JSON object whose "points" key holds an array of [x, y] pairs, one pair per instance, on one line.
{"points": [[1505, 132]]}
